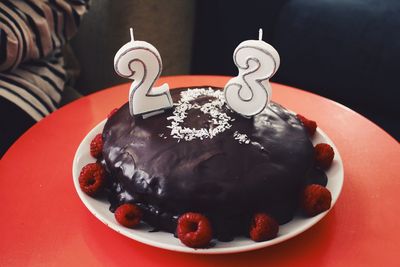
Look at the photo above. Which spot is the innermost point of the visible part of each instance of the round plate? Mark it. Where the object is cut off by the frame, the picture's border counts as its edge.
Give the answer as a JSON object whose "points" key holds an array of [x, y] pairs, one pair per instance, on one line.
{"points": [[165, 240]]}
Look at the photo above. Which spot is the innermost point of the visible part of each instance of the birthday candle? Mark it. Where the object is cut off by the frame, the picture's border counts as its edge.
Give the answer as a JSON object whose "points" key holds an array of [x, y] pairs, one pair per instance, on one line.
{"points": [[249, 92], [141, 62]]}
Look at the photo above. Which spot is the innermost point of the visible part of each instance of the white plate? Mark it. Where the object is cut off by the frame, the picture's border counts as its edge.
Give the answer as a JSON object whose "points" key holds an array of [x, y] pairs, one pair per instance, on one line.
{"points": [[164, 240]]}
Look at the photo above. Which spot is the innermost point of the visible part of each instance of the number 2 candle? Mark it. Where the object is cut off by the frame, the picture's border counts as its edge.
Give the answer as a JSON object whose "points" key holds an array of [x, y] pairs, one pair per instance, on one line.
{"points": [[249, 92], [141, 62]]}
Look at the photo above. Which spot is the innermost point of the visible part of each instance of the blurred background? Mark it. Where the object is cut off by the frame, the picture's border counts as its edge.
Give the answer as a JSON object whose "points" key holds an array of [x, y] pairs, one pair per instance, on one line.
{"points": [[345, 50]]}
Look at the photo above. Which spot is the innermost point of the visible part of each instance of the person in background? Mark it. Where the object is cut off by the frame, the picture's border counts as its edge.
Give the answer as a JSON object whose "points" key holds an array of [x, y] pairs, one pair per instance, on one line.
{"points": [[32, 70]]}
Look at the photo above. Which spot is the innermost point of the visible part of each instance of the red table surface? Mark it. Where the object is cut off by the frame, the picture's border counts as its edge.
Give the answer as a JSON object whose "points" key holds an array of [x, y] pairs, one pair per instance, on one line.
{"points": [[44, 223]]}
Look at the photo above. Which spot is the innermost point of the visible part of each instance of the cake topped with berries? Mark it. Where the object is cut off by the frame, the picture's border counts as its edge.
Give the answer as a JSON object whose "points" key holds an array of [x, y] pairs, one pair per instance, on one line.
{"points": [[200, 163]]}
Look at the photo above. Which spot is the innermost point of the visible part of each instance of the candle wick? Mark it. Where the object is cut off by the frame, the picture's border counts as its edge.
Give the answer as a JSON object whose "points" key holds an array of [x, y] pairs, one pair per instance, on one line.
{"points": [[132, 38], [260, 34]]}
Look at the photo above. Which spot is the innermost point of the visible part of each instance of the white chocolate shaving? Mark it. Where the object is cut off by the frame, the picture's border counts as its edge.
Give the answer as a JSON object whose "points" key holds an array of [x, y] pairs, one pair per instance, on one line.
{"points": [[219, 120]]}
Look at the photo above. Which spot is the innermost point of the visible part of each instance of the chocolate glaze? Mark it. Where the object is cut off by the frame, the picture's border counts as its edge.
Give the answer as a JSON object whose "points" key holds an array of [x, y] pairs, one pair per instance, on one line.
{"points": [[226, 180]]}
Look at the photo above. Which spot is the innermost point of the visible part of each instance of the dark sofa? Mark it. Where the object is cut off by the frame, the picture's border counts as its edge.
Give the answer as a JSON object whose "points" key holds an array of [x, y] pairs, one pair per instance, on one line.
{"points": [[348, 51]]}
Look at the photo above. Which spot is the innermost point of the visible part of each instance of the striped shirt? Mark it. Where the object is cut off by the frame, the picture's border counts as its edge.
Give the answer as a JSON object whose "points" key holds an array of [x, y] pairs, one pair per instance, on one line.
{"points": [[32, 33]]}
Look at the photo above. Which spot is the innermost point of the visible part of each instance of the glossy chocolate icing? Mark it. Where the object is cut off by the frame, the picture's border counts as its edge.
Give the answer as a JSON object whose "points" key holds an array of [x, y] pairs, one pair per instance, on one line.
{"points": [[224, 179]]}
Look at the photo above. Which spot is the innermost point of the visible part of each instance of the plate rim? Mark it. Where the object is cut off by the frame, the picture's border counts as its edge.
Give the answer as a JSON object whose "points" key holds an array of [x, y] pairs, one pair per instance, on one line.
{"points": [[224, 250]]}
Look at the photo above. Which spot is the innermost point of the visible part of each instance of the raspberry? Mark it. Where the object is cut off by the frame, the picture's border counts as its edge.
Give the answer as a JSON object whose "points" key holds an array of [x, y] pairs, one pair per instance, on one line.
{"points": [[310, 125], [194, 230], [128, 215], [315, 199], [263, 227], [96, 146], [112, 112], [91, 178], [324, 155]]}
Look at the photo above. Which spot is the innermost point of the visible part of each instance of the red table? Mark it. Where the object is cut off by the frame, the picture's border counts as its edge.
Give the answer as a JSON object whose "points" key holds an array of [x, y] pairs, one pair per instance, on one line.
{"points": [[44, 222]]}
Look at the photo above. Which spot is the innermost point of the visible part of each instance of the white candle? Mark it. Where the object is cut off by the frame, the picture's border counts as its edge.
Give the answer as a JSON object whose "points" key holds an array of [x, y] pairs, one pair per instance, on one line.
{"points": [[250, 91], [141, 62]]}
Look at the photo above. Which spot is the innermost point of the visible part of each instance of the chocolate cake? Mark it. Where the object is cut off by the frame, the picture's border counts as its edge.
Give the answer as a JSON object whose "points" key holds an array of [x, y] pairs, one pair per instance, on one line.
{"points": [[202, 157]]}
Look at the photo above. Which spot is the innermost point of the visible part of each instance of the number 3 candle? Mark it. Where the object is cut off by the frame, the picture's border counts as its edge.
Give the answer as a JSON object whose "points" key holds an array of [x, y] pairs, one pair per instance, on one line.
{"points": [[141, 62], [250, 91]]}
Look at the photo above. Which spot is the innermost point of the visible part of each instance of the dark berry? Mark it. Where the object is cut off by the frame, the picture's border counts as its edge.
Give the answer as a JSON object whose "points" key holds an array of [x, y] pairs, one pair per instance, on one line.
{"points": [[128, 215], [315, 199], [194, 230], [91, 178], [263, 227], [310, 125], [324, 155], [96, 146]]}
